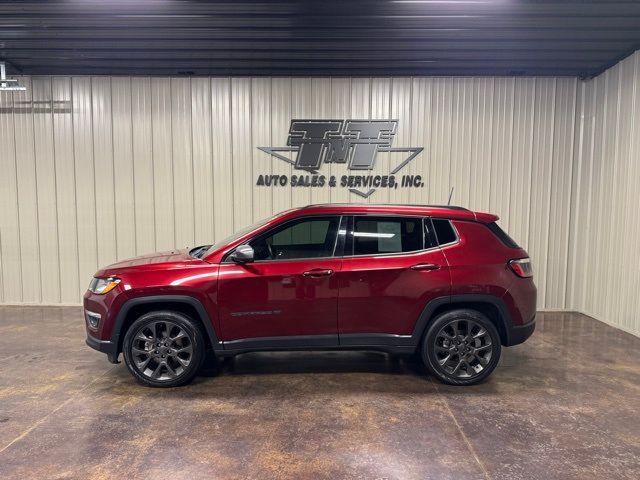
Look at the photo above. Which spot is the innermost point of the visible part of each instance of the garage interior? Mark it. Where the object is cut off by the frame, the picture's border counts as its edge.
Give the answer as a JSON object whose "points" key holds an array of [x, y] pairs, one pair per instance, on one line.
{"points": [[139, 129]]}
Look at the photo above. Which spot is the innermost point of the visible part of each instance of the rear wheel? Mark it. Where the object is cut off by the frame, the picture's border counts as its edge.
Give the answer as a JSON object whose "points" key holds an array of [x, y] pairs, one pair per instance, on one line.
{"points": [[163, 349], [461, 347]]}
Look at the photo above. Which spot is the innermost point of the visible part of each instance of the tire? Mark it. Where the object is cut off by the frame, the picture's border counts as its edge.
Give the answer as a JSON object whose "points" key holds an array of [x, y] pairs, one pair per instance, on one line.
{"points": [[175, 358], [462, 358]]}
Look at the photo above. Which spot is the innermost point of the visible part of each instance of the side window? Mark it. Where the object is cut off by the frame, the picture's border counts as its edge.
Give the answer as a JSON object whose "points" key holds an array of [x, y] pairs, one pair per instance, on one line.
{"points": [[304, 238], [430, 240], [374, 235], [444, 231]]}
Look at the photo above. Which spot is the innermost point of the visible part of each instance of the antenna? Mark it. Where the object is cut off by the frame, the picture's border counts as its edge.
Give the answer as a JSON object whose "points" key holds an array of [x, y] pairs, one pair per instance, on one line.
{"points": [[450, 195], [8, 84]]}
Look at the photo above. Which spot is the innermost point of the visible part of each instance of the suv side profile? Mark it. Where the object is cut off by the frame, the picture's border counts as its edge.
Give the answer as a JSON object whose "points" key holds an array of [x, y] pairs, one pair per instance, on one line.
{"points": [[444, 283]]}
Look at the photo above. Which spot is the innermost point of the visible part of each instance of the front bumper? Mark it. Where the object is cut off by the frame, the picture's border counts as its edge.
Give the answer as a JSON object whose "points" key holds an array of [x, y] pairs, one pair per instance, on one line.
{"points": [[518, 334], [104, 346]]}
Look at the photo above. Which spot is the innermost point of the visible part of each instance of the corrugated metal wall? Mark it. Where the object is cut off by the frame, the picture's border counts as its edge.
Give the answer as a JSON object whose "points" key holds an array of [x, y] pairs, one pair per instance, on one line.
{"points": [[95, 169], [604, 274], [99, 169]]}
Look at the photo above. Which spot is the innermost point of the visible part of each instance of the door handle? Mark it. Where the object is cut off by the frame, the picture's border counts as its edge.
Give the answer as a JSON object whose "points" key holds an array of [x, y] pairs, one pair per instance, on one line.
{"points": [[425, 266], [318, 272]]}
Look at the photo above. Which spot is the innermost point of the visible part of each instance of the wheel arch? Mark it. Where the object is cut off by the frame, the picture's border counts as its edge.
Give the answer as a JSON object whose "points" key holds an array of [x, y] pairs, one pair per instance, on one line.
{"points": [[133, 308], [490, 306]]}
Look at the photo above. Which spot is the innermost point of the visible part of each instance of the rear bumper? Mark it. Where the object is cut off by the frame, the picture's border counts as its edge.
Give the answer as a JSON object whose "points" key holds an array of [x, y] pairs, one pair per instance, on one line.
{"points": [[104, 346], [518, 334]]}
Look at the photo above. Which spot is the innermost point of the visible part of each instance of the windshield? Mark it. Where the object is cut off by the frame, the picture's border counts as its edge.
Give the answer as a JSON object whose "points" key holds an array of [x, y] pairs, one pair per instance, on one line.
{"points": [[234, 236]]}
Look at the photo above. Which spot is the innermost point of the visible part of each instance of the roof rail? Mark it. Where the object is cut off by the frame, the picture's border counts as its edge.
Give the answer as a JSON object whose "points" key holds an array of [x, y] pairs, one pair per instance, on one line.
{"points": [[347, 204]]}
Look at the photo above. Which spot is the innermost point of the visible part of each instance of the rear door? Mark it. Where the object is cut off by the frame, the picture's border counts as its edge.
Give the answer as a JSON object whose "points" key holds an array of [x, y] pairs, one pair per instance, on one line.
{"points": [[391, 269], [290, 290]]}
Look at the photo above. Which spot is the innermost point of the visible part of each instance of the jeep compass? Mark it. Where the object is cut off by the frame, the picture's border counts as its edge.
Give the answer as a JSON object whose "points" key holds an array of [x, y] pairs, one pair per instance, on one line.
{"points": [[443, 283]]}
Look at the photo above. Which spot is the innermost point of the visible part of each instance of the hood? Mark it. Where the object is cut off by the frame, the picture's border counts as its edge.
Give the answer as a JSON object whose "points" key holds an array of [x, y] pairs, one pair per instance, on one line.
{"points": [[160, 260]]}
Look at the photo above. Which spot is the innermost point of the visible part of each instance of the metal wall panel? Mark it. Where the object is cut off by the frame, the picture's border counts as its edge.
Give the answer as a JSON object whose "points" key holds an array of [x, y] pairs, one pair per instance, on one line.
{"points": [[84, 180], [123, 165], [202, 135], [261, 135], [604, 270], [222, 157], [301, 107], [65, 179], [162, 152], [541, 214], [242, 151], [11, 257], [45, 175], [182, 161], [560, 199], [143, 165], [28, 226], [105, 199], [100, 168]]}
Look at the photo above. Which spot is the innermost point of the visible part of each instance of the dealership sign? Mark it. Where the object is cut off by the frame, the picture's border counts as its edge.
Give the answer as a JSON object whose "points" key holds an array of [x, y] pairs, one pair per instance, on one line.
{"points": [[354, 143]]}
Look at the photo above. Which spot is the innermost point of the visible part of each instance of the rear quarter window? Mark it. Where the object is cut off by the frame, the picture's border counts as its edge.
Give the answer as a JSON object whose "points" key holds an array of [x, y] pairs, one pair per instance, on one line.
{"points": [[444, 231], [502, 235]]}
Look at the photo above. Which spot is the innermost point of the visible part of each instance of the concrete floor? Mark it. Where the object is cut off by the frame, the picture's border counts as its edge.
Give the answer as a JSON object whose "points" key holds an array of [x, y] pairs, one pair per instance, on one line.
{"points": [[564, 405]]}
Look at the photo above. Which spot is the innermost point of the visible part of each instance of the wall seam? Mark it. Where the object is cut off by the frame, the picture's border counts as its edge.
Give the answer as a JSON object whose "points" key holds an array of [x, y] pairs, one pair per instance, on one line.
{"points": [[550, 197], [571, 176], [171, 163], [113, 166], [233, 216], [574, 206], [153, 167], [37, 205], [253, 219], [592, 128], [55, 189], [133, 171], [75, 183], [211, 160], [511, 135], [93, 160], [193, 175]]}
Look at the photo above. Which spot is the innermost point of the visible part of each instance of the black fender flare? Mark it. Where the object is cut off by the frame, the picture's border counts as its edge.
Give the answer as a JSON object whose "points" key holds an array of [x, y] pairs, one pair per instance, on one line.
{"points": [[433, 305], [185, 299]]}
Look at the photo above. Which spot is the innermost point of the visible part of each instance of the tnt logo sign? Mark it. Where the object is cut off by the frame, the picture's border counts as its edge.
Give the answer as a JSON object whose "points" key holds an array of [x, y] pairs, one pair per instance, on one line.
{"points": [[355, 143]]}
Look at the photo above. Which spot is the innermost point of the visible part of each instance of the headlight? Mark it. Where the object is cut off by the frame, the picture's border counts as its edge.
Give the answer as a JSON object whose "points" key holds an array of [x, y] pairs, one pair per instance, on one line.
{"points": [[102, 286]]}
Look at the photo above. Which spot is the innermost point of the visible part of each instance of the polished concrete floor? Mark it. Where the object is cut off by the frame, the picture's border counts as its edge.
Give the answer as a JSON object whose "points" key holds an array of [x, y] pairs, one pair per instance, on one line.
{"points": [[564, 405]]}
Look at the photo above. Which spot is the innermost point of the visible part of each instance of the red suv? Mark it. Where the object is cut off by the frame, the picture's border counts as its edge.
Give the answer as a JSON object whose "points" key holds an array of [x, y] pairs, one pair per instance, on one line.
{"points": [[445, 283]]}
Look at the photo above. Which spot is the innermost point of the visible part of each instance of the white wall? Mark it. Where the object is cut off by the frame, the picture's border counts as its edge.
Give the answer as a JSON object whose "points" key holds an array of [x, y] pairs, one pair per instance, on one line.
{"points": [[604, 277], [94, 169]]}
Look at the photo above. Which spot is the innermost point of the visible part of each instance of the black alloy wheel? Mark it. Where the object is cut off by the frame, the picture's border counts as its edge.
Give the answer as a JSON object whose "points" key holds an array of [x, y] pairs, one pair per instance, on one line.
{"points": [[163, 349], [461, 347]]}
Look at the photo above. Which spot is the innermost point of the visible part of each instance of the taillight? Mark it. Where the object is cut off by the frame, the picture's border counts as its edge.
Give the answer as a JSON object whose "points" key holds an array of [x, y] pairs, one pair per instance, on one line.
{"points": [[522, 267]]}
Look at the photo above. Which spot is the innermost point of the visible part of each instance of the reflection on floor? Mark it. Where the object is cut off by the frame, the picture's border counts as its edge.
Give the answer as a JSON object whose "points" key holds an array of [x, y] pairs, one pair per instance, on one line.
{"points": [[564, 405]]}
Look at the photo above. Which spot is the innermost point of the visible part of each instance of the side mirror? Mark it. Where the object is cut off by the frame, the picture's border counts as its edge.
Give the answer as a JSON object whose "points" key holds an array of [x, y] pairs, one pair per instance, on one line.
{"points": [[243, 254]]}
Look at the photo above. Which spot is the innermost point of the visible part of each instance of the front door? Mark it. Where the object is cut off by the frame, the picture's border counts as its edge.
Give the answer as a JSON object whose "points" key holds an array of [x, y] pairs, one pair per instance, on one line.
{"points": [[390, 271], [289, 293]]}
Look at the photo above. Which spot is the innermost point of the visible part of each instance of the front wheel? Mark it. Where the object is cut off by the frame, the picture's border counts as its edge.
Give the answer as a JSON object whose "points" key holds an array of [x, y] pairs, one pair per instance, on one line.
{"points": [[461, 347], [163, 349]]}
